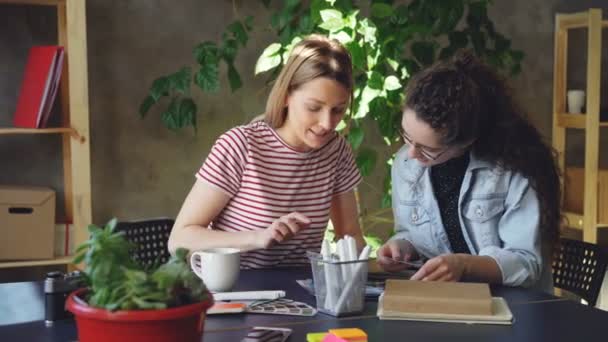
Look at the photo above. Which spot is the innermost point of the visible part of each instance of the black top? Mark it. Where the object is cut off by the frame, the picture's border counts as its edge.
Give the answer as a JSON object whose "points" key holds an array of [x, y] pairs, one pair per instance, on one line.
{"points": [[447, 180]]}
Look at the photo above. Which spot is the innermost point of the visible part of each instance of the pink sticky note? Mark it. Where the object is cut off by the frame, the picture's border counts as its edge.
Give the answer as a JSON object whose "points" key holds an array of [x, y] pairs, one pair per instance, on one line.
{"points": [[333, 338]]}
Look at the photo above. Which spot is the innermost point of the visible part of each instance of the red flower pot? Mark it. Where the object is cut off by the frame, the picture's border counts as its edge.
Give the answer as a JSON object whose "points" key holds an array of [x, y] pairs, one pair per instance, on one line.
{"points": [[183, 323]]}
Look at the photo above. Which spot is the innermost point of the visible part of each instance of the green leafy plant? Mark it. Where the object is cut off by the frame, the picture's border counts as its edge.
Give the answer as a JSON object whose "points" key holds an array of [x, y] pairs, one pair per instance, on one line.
{"points": [[388, 45], [116, 282]]}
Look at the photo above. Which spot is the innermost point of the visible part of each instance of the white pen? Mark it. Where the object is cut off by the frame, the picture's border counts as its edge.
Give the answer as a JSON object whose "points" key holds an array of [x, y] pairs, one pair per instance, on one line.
{"points": [[330, 281], [353, 280]]}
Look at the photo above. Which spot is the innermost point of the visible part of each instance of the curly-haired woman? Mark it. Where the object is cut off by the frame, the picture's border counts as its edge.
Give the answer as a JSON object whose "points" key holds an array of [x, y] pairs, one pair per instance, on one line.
{"points": [[475, 188]]}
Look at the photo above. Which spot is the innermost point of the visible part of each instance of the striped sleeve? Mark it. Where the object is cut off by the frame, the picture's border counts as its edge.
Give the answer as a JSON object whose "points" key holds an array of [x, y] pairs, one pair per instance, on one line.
{"points": [[348, 176], [226, 161]]}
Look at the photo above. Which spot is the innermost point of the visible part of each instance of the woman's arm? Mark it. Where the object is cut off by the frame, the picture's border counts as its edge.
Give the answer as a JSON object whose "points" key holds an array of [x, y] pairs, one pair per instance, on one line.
{"points": [[456, 267], [203, 204], [345, 217], [191, 229]]}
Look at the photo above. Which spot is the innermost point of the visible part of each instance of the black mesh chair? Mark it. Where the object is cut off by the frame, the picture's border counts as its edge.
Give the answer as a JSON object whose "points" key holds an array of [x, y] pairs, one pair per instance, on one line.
{"points": [[151, 238], [579, 267]]}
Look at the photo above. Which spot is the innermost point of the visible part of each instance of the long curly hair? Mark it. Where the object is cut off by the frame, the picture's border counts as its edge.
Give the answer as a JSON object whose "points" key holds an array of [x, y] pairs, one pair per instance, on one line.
{"points": [[465, 100]]}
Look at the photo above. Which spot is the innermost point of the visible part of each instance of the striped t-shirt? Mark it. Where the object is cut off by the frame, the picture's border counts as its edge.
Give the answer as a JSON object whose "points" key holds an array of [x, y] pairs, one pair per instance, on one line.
{"points": [[266, 179]]}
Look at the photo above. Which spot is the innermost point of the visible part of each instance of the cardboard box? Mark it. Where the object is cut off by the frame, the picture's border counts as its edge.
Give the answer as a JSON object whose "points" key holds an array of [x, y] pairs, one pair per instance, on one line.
{"points": [[574, 184], [27, 222]]}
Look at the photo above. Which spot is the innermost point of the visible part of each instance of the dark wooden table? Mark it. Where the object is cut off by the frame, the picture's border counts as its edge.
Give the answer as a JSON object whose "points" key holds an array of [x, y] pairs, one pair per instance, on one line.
{"points": [[538, 317]]}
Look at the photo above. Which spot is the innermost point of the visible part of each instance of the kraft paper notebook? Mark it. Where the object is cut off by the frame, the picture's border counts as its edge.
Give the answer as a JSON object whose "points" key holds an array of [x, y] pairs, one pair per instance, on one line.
{"points": [[442, 302]]}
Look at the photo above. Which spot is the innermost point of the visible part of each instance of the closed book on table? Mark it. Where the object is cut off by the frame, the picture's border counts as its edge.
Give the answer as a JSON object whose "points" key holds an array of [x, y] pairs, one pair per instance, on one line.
{"points": [[442, 302], [437, 297], [39, 86]]}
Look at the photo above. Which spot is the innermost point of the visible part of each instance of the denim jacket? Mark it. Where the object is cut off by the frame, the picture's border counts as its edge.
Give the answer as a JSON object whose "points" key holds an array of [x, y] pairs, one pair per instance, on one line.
{"points": [[499, 215]]}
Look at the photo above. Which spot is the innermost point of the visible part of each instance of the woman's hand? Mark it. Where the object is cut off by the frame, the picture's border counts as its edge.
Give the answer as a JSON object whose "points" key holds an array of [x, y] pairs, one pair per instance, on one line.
{"points": [[446, 267], [389, 255], [282, 229]]}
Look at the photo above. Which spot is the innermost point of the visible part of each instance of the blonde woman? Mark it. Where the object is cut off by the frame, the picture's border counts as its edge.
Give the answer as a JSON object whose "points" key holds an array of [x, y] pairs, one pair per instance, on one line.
{"points": [[270, 187]]}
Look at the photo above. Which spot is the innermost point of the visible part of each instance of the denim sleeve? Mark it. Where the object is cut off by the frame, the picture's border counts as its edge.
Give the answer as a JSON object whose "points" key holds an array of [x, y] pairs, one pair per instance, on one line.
{"points": [[401, 230], [519, 258]]}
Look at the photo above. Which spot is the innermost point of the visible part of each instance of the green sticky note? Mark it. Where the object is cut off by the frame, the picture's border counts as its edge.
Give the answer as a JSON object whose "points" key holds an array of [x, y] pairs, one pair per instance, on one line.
{"points": [[315, 337]]}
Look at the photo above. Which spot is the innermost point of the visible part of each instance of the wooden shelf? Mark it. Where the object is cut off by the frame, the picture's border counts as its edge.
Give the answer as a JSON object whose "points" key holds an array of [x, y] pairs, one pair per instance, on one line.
{"points": [[28, 263], [567, 120], [74, 103], [59, 130], [575, 220], [33, 2], [576, 20]]}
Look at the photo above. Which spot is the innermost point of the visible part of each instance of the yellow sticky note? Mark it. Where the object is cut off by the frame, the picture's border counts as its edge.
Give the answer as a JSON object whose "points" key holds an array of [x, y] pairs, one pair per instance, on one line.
{"points": [[315, 337], [350, 334]]}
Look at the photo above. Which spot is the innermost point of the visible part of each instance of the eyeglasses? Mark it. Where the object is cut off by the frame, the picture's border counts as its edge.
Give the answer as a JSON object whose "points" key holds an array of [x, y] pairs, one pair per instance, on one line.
{"points": [[425, 153]]}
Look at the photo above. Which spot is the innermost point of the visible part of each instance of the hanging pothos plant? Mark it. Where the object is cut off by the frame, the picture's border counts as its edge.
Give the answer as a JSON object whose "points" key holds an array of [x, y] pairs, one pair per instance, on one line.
{"points": [[387, 46]]}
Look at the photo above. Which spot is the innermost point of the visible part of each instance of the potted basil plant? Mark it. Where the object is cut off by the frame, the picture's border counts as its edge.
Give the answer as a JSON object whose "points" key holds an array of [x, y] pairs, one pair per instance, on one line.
{"points": [[124, 301]]}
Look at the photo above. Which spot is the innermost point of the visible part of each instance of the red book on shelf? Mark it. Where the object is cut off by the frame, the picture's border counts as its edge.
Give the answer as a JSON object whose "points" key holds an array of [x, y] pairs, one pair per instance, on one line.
{"points": [[39, 86]]}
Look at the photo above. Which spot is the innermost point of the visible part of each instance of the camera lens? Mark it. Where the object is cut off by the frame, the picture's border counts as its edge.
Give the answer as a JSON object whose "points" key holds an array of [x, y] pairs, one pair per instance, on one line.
{"points": [[54, 275]]}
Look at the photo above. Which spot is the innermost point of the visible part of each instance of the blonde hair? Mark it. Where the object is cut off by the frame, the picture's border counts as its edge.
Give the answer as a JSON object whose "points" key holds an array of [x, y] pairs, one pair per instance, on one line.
{"points": [[314, 57]]}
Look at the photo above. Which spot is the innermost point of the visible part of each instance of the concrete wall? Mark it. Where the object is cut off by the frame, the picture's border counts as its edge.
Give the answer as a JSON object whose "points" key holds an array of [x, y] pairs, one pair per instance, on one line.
{"points": [[139, 168]]}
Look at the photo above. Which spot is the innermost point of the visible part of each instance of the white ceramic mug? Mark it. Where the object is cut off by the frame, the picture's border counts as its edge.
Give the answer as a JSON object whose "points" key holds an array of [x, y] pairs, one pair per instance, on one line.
{"points": [[576, 100], [218, 267]]}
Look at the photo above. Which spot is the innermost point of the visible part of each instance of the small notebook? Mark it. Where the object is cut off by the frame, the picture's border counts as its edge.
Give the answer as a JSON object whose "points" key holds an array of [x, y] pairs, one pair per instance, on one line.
{"points": [[501, 314]]}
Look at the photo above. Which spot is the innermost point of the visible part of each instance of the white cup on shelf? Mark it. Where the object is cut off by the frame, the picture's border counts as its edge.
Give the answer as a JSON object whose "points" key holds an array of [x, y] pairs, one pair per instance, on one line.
{"points": [[217, 267], [576, 100]]}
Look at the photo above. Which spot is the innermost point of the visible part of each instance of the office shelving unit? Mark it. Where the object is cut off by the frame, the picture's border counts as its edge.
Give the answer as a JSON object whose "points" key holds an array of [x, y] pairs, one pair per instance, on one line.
{"points": [[71, 26]]}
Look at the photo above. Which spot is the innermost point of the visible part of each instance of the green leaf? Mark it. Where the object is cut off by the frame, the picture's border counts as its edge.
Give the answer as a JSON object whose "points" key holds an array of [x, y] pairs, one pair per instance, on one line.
{"points": [[351, 20], [206, 52], [330, 14], [332, 25], [234, 78], [357, 54], [160, 87], [207, 77], [289, 4], [391, 83], [168, 119], [249, 23], [375, 80], [380, 10], [355, 136], [229, 49], [111, 225], [305, 24], [367, 95], [169, 116], [240, 33], [366, 160], [332, 20], [269, 59], [342, 37], [386, 201], [180, 81], [146, 105], [400, 16], [368, 30], [424, 52], [187, 112]]}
